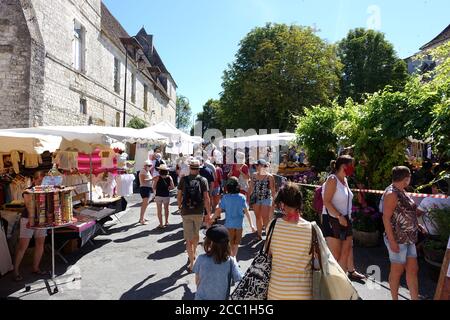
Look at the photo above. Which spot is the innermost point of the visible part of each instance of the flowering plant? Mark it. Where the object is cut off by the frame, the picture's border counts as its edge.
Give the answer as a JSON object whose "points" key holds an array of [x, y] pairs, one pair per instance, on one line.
{"points": [[365, 219]]}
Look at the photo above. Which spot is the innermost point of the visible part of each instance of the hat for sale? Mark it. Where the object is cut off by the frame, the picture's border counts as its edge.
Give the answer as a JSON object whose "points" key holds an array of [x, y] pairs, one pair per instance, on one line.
{"points": [[218, 234]]}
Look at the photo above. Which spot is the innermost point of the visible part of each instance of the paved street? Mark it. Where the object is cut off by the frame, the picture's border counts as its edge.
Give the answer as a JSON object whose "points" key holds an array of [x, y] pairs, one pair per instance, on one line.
{"points": [[142, 262]]}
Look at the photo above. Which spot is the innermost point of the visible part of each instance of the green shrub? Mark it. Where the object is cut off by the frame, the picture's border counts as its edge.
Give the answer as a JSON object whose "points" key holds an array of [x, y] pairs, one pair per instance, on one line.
{"points": [[441, 218], [308, 211]]}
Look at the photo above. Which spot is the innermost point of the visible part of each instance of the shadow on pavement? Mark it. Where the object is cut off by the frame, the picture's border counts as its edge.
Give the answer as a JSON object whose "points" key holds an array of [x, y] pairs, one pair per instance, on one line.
{"points": [[172, 237], [135, 236], [159, 288], [249, 247], [367, 260], [111, 230], [8, 286], [173, 227], [169, 252]]}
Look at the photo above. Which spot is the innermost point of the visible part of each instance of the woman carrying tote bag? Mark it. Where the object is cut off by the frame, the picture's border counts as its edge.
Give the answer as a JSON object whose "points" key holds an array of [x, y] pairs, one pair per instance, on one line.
{"points": [[282, 270]]}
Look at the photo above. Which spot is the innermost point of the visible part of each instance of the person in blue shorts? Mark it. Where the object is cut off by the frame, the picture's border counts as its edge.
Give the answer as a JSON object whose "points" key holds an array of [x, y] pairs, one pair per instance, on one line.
{"points": [[235, 206]]}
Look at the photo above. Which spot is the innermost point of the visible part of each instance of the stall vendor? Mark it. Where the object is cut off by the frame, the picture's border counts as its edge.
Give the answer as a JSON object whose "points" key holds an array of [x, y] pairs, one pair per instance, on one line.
{"points": [[26, 234]]}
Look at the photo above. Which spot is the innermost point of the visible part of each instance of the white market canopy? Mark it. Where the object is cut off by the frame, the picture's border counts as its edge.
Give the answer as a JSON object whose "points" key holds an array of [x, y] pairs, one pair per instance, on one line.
{"points": [[265, 140], [179, 142], [29, 143], [87, 138]]}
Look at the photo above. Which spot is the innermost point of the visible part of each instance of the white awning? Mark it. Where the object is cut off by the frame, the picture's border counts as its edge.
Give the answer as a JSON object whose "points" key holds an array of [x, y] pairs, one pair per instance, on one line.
{"points": [[265, 140], [179, 141], [29, 143], [88, 138]]}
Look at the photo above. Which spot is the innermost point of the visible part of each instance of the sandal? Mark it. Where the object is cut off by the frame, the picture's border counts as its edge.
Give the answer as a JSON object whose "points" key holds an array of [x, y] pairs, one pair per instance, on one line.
{"points": [[39, 273], [355, 275], [18, 278]]}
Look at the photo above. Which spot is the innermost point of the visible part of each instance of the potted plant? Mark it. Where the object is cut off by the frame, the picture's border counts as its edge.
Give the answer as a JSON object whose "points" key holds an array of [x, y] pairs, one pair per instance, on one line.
{"points": [[366, 226], [434, 247]]}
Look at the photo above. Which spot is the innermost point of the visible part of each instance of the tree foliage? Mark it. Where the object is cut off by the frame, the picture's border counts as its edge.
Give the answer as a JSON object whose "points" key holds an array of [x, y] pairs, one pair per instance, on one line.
{"points": [[439, 85], [315, 133], [137, 123], [210, 116], [370, 63], [379, 127], [183, 113], [279, 70]]}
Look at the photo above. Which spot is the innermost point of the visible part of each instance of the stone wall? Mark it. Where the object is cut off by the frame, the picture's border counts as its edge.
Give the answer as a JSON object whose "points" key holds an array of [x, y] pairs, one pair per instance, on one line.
{"points": [[15, 57], [56, 90]]}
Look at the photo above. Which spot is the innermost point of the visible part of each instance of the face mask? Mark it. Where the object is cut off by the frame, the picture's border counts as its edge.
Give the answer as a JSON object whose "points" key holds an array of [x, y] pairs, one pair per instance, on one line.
{"points": [[290, 216], [349, 170]]}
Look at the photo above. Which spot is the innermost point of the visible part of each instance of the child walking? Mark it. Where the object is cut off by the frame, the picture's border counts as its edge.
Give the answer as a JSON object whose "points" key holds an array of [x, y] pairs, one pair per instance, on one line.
{"points": [[234, 204], [215, 270]]}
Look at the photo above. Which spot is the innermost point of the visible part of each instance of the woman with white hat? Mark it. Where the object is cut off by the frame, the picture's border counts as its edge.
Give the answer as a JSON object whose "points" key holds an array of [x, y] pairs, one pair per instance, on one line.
{"points": [[145, 179], [162, 185]]}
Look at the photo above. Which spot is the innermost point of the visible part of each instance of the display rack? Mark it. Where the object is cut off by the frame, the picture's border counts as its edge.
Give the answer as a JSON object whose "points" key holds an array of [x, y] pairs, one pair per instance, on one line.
{"points": [[53, 274], [50, 208]]}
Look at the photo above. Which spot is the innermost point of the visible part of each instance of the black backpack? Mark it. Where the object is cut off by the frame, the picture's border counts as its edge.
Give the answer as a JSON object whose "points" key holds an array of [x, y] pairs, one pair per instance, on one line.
{"points": [[193, 194]]}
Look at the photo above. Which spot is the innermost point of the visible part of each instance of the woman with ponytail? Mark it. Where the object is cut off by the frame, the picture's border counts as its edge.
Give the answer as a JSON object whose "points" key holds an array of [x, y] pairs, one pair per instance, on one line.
{"points": [[337, 200]]}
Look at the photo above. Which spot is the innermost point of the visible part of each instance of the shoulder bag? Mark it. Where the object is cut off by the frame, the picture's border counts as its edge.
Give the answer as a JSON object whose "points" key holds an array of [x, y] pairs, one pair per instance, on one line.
{"points": [[255, 283], [330, 282]]}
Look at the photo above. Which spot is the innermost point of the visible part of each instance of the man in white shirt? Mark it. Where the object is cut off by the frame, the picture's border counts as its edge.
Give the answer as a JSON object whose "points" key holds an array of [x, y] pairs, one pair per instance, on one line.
{"points": [[428, 204]]}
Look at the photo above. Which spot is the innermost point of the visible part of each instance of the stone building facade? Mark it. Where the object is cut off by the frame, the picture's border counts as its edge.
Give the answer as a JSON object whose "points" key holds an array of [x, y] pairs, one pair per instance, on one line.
{"points": [[422, 61], [62, 62]]}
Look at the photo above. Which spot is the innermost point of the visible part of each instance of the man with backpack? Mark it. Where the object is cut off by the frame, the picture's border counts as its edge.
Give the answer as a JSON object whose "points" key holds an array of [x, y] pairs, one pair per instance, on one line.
{"points": [[193, 198]]}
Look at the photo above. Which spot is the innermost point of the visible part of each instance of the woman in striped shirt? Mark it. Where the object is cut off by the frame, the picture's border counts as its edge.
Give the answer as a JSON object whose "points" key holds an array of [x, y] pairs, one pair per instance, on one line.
{"points": [[291, 277]]}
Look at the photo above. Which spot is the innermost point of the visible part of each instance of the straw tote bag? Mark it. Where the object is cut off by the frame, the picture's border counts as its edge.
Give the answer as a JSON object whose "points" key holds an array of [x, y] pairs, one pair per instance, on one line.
{"points": [[255, 283], [330, 282]]}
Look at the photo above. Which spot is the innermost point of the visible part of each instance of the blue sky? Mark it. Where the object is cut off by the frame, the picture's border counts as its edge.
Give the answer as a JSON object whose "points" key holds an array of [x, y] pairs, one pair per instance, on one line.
{"points": [[197, 39]]}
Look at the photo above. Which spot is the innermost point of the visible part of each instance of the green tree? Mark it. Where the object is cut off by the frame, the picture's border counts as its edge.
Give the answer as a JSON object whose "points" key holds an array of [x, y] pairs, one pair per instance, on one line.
{"points": [[315, 132], [183, 113], [370, 64], [137, 123], [210, 116], [278, 71], [439, 86]]}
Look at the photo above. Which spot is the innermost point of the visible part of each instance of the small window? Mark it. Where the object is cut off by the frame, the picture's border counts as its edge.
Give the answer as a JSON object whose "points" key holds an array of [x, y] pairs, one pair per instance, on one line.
{"points": [[133, 88], [117, 119], [78, 46], [83, 106], [116, 75], [145, 98]]}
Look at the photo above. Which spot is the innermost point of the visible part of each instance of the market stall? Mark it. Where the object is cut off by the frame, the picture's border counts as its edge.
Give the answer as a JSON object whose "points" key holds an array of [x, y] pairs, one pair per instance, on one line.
{"points": [[179, 142], [83, 159], [270, 147]]}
